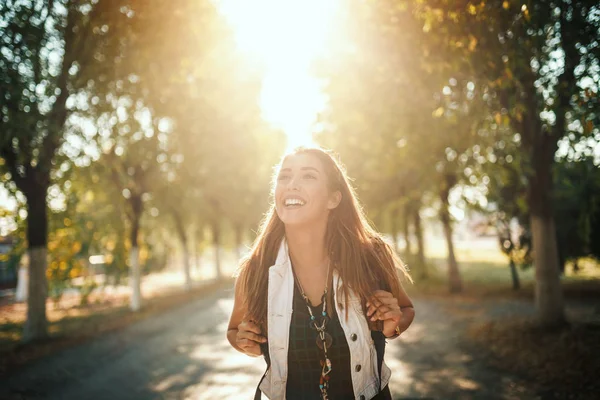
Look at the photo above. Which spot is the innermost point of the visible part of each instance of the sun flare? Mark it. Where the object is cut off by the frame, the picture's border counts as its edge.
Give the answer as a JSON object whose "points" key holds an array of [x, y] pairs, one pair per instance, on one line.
{"points": [[286, 36]]}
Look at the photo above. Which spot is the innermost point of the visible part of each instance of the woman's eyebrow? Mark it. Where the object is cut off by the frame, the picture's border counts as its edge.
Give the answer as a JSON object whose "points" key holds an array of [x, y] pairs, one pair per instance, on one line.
{"points": [[310, 169], [302, 169]]}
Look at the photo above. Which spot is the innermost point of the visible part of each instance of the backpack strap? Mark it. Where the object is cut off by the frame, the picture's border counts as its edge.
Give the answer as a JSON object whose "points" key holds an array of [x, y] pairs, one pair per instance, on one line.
{"points": [[379, 340]]}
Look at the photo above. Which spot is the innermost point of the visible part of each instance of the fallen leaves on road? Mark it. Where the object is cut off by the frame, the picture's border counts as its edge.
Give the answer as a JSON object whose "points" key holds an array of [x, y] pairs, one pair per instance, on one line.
{"points": [[562, 361]]}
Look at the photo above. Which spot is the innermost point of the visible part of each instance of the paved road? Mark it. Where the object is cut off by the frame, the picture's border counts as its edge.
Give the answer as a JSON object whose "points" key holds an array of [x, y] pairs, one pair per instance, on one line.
{"points": [[183, 354]]}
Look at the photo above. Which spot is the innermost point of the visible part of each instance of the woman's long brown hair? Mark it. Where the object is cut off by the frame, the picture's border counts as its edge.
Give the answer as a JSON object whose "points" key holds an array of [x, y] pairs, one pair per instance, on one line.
{"points": [[363, 260]]}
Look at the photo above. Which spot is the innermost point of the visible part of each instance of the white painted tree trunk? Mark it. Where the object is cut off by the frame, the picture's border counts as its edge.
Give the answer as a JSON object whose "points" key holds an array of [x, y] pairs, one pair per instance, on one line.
{"points": [[218, 262], [135, 279], [186, 269], [548, 291], [22, 284], [36, 326]]}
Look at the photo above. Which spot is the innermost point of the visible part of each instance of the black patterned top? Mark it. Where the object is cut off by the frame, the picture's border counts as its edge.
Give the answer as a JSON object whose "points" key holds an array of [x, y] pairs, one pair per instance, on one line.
{"points": [[304, 369]]}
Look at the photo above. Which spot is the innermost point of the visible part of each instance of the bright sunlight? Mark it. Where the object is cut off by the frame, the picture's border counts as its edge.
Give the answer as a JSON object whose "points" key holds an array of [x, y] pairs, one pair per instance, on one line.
{"points": [[287, 36]]}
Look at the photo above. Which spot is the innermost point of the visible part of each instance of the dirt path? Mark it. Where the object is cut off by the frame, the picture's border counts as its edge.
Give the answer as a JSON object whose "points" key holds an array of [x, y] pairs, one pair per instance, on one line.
{"points": [[183, 354]]}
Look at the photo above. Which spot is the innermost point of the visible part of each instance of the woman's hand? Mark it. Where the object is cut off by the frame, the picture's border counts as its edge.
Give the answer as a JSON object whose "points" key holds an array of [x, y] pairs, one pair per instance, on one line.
{"points": [[384, 306], [249, 338]]}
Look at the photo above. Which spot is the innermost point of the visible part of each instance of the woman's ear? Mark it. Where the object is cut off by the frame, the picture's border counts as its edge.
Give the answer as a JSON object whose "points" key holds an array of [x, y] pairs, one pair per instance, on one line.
{"points": [[334, 200]]}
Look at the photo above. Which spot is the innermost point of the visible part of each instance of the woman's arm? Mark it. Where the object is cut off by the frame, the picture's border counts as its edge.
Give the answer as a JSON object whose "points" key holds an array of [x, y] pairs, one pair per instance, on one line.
{"points": [[243, 334]]}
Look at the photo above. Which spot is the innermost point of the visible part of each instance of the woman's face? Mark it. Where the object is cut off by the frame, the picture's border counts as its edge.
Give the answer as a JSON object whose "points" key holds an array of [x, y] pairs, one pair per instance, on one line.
{"points": [[301, 192]]}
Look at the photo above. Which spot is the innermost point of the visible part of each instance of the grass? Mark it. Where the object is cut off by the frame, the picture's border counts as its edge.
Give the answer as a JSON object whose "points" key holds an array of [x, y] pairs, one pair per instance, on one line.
{"points": [[485, 272]]}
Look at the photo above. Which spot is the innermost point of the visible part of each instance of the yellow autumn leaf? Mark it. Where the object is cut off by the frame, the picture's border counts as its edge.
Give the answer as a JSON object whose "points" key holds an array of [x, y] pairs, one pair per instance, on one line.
{"points": [[498, 118], [472, 9], [110, 245], [505, 5], [438, 113], [519, 115], [525, 11], [472, 43]]}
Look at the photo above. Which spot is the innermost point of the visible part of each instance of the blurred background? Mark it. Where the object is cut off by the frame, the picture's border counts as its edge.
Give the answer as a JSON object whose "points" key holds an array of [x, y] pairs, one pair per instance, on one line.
{"points": [[137, 145]]}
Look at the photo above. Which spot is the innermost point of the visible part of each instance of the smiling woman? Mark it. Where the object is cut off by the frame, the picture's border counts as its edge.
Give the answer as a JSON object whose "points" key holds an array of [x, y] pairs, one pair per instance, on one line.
{"points": [[319, 292], [286, 36]]}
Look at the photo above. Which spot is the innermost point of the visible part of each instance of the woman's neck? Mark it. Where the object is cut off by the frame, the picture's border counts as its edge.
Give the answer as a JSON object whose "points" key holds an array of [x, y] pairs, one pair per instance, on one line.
{"points": [[307, 247]]}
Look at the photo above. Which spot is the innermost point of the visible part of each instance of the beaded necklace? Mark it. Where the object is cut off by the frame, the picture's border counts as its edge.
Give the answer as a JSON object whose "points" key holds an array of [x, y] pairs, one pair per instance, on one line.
{"points": [[324, 339]]}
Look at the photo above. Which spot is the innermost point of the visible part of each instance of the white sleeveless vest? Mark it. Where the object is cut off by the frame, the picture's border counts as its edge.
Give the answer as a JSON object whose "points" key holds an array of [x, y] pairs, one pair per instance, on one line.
{"points": [[363, 356]]}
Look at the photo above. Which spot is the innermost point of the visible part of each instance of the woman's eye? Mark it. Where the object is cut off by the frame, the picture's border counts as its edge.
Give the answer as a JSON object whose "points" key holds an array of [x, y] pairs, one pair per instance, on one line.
{"points": [[310, 176], [282, 177]]}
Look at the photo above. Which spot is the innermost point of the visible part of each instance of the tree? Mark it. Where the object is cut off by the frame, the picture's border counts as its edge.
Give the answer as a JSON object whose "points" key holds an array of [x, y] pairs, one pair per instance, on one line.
{"points": [[532, 62], [132, 162], [209, 93], [405, 111], [49, 51]]}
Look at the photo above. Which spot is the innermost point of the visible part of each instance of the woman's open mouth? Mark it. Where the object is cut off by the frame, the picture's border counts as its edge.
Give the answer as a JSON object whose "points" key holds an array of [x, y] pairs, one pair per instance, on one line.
{"points": [[293, 202]]}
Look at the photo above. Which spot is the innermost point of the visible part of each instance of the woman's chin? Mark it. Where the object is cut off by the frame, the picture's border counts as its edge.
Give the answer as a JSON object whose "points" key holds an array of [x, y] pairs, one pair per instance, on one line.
{"points": [[294, 221], [294, 218]]}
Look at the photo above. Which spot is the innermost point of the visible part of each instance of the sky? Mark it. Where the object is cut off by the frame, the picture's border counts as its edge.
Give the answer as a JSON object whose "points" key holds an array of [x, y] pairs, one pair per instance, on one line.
{"points": [[286, 36]]}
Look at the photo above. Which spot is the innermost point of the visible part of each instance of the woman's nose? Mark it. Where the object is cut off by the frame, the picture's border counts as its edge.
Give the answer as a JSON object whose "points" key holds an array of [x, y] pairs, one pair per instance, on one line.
{"points": [[294, 184]]}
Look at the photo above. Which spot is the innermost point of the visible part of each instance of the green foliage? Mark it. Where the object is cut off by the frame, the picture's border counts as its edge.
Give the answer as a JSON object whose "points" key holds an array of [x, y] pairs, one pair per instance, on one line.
{"points": [[403, 124], [577, 209]]}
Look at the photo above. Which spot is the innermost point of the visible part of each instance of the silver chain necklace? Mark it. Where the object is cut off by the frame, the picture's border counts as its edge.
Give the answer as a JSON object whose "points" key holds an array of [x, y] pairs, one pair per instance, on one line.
{"points": [[324, 339]]}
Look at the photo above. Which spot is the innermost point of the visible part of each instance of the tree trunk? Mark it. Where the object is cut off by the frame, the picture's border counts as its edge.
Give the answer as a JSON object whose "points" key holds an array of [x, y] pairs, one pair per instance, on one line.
{"points": [[197, 246], [394, 229], [576, 267], [197, 257], [181, 232], [216, 233], [406, 229], [543, 146], [135, 275], [36, 326], [187, 269], [22, 281], [238, 242], [515, 275], [454, 279], [422, 264], [548, 291], [135, 278]]}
